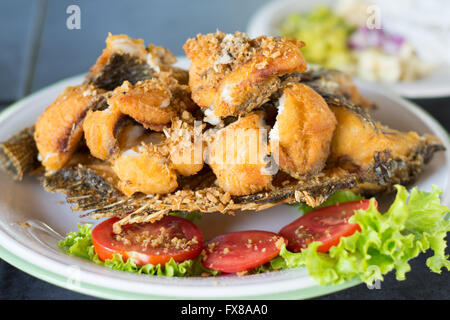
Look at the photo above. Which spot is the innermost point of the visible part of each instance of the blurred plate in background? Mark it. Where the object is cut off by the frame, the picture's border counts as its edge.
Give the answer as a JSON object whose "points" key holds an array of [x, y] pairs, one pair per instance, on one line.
{"points": [[267, 20]]}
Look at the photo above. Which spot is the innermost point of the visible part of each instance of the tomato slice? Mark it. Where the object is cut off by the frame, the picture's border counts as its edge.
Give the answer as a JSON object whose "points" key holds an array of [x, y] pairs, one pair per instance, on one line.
{"points": [[241, 251], [149, 243], [326, 225]]}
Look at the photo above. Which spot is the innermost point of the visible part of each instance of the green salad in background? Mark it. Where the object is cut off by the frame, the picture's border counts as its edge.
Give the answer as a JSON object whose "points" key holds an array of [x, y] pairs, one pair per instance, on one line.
{"points": [[325, 34], [339, 38]]}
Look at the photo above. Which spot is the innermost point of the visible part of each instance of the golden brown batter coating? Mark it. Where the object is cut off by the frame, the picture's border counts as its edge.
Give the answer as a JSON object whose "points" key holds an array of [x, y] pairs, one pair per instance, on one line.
{"points": [[233, 74], [154, 102], [144, 169], [100, 130], [303, 131], [356, 141], [237, 156], [59, 129]]}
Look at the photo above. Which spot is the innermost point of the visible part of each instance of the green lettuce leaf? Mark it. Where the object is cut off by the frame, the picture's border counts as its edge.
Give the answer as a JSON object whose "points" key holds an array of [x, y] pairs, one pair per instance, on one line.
{"points": [[385, 243], [80, 244], [337, 197]]}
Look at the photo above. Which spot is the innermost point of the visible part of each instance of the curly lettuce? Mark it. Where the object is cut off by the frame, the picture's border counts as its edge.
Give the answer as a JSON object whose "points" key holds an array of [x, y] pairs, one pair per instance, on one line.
{"points": [[413, 224], [80, 244]]}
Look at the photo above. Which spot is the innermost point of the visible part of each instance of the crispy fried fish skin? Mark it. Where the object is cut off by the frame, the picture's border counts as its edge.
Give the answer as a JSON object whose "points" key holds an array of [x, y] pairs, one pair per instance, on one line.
{"points": [[18, 155], [88, 188], [125, 58], [147, 102], [237, 156], [387, 171], [100, 131], [235, 74], [154, 102], [335, 82], [120, 44], [144, 169], [60, 127], [303, 131]]}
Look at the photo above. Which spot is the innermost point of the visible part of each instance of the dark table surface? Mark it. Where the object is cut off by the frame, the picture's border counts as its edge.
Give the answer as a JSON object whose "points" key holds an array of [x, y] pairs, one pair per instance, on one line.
{"points": [[38, 50]]}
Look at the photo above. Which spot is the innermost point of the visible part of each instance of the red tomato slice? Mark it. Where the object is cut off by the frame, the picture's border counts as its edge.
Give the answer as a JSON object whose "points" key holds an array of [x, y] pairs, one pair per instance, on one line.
{"points": [[154, 243], [326, 225], [241, 251]]}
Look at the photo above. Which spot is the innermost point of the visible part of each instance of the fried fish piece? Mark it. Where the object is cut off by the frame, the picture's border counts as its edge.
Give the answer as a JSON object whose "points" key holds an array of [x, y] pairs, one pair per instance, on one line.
{"points": [[128, 59], [59, 128], [238, 156], [154, 103], [357, 141], [381, 156], [144, 169], [233, 74], [100, 131], [123, 59], [303, 130]]}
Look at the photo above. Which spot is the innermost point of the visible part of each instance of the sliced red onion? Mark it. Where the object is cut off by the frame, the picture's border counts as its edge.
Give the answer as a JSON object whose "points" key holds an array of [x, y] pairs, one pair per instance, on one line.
{"points": [[365, 38]]}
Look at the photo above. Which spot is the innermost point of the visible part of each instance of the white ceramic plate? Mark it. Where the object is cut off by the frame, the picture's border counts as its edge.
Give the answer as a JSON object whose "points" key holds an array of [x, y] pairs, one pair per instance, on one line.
{"points": [[34, 249], [267, 19]]}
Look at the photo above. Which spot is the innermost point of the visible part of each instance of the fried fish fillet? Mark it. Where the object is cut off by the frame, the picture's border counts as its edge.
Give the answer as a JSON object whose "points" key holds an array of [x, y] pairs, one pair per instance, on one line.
{"points": [[238, 156], [128, 59], [381, 156], [303, 130], [59, 128], [100, 131], [233, 74], [154, 103], [144, 169]]}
